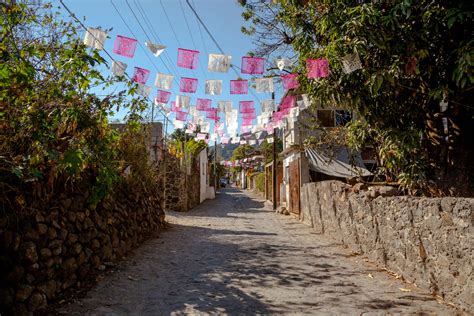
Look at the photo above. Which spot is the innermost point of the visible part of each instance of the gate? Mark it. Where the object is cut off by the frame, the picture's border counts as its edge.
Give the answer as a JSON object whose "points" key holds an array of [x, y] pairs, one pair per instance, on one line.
{"points": [[294, 169]]}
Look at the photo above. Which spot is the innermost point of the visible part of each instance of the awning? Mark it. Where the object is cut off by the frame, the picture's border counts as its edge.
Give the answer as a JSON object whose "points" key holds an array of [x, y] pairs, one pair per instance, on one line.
{"points": [[339, 166]]}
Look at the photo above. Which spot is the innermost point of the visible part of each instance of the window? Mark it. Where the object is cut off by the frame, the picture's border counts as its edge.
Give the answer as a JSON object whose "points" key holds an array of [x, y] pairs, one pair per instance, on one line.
{"points": [[326, 118], [343, 117]]}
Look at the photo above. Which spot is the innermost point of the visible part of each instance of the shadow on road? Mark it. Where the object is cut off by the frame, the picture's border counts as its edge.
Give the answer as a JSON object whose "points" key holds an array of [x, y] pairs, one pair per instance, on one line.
{"points": [[231, 256]]}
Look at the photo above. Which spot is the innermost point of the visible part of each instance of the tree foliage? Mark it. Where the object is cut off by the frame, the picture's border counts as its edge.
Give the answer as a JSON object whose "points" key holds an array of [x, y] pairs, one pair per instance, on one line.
{"points": [[54, 131], [414, 54]]}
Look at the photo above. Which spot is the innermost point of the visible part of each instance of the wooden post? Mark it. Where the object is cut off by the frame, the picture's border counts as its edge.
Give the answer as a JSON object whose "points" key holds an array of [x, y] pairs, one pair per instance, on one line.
{"points": [[215, 165], [274, 165]]}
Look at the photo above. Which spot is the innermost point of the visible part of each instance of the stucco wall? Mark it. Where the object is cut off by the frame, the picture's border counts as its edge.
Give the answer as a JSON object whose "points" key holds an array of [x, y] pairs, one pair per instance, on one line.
{"points": [[429, 241]]}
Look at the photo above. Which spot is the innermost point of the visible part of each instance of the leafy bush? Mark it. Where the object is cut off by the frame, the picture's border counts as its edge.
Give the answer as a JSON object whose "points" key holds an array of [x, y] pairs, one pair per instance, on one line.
{"points": [[260, 182], [54, 130]]}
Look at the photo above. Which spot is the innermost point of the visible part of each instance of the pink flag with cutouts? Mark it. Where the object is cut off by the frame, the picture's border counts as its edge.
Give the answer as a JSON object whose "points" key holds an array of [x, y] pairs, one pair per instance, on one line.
{"points": [[317, 68], [246, 107], [212, 114], [181, 116], [188, 85], [247, 122], [188, 58], [140, 75], [287, 102], [203, 104], [277, 116], [125, 46], [239, 87], [252, 65], [289, 81], [174, 108], [249, 116], [163, 96]]}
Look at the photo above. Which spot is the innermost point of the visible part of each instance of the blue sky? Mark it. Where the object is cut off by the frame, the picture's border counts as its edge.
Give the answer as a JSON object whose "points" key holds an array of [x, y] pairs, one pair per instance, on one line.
{"points": [[222, 17]]}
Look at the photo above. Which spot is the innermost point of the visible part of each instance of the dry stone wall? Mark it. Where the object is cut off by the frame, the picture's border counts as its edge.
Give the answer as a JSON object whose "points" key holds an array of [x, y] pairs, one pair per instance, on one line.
{"points": [[64, 241], [429, 241], [182, 188]]}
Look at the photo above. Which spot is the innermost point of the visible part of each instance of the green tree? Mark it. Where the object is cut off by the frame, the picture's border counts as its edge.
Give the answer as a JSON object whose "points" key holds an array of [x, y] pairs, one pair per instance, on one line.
{"points": [[53, 129], [414, 55], [266, 149]]}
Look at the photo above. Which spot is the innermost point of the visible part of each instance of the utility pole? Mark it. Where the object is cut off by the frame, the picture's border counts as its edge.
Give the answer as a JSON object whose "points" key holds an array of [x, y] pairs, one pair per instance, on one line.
{"points": [[215, 164], [274, 165]]}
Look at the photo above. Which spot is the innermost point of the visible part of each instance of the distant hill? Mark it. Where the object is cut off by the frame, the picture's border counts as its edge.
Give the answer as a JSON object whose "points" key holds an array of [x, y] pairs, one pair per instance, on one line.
{"points": [[224, 152]]}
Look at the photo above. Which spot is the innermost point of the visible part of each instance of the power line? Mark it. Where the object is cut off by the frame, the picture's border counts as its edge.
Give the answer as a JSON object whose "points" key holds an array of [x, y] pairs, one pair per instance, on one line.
{"points": [[150, 27], [192, 37], [169, 22], [216, 43], [106, 52]]}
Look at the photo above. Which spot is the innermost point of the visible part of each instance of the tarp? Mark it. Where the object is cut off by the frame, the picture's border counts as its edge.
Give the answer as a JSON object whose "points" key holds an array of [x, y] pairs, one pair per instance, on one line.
{"points": [[339, 166]]}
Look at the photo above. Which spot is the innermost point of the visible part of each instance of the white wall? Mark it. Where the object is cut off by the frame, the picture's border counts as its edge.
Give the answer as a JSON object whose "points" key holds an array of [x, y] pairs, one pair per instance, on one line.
{"points": [[203, 174]]}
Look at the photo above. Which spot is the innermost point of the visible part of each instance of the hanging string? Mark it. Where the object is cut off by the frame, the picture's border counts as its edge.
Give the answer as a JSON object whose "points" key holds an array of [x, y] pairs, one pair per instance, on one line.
{"points": [[106, 52]]}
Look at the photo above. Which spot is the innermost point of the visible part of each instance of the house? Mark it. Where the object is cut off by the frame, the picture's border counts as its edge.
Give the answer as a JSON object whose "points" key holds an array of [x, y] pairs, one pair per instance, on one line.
{"points": [[154, 138], [302, 166], [206, 191]]}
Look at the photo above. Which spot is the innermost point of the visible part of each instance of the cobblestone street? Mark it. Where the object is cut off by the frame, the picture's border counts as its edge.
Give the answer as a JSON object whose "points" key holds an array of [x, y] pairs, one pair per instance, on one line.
{"points": [[234, 255]]}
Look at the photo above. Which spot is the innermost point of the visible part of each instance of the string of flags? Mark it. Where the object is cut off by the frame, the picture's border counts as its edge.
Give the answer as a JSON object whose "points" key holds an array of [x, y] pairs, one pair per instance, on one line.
{"points": [[202, 113]]}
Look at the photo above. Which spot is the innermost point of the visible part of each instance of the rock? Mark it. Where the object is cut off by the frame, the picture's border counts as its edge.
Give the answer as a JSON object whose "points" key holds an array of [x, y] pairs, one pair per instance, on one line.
{"points": [[95, 260], [31, 234], [23, 292], [52, 234], [66, 203], [29, 251], [39, 218], [33, 267], [359, 187], [80, 216], [6, 239], [72, 238], [20, 310], [84, 270], [71, 216], [77, 248], [81, 258], [49, 263], [16, 275], [87, 223], [42, 228], [63, 234], [37, 301], [45, 253], [71, 280], [57, 251], [16, 242], [30, 277], [48, 288], [69, 264], [101, 267], [95, 244], [56, 246], [372, 193], [6, 297], [388, 191]]}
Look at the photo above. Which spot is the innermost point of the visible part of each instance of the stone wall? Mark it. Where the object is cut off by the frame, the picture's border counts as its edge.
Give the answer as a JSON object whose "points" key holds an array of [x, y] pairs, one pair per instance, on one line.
{"points": [[174, 184], [429, 241], [182, 186], [57, 244]]}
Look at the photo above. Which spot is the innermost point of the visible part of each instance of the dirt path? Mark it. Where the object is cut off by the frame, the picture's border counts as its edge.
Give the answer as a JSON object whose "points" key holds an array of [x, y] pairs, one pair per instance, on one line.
{"points": [[233, 255]]}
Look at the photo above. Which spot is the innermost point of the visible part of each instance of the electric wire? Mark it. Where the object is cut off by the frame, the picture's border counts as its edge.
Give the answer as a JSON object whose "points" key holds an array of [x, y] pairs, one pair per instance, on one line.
{"points": [[144, 15], [106, 52], [146, 52], [217, 44]]}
